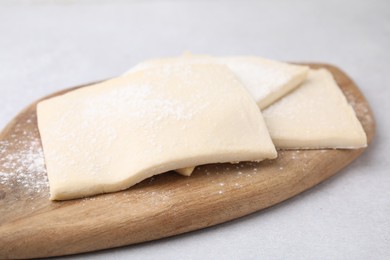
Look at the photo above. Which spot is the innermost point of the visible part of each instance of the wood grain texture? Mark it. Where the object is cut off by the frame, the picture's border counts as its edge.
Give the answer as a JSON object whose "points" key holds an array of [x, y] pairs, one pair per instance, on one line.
{"points": [[33, 226]]}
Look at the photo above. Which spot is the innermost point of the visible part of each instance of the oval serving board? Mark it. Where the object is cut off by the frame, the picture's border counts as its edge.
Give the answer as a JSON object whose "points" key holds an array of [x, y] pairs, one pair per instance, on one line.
{"points": [[33, 226]]}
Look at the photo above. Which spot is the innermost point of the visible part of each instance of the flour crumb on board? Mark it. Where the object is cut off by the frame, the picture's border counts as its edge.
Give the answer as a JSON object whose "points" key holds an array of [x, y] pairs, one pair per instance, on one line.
{"points": [[237, 185]]}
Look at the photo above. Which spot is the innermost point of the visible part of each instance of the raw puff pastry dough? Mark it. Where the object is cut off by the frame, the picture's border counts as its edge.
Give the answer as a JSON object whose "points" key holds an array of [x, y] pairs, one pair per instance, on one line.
{"points": [[316, 115], [266, 80], [112, 135]]}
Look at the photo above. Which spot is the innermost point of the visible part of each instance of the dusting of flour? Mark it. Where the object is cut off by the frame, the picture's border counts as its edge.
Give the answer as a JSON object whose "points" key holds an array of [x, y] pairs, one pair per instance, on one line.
{"points": [[22, 164]]}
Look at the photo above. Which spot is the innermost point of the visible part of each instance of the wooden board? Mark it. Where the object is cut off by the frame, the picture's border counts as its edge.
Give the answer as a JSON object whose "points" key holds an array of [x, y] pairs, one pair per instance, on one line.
{"points": [[33, 226]]}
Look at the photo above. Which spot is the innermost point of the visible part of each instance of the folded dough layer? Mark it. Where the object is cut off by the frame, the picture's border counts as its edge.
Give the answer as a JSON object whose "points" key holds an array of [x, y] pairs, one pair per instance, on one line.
{"points": [[112, 135]]}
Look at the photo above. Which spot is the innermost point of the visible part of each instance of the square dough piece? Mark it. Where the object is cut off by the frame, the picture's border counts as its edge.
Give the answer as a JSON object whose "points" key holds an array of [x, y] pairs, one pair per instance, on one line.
{"points": [[316, 115], [266, 80], [112, 135]]}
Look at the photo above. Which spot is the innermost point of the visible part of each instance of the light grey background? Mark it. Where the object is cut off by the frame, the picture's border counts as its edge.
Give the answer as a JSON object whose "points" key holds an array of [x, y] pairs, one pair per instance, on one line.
{"points": [[50, 45]]}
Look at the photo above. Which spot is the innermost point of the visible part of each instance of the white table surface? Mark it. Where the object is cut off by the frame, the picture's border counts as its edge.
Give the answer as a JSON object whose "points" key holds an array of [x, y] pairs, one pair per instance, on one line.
{"points": [[47, 46]]}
